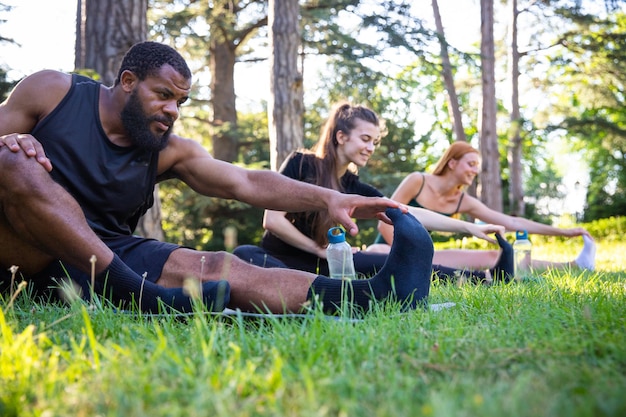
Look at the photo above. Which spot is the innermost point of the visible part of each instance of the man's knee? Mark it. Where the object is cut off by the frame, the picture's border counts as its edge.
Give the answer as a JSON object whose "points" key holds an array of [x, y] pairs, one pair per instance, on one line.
{"points": [[26, 174], [12, 160]]}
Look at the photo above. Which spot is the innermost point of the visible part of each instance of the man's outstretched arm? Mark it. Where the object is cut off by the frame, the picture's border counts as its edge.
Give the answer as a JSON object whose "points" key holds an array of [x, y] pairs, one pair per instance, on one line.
{"points": [[191, 163]]}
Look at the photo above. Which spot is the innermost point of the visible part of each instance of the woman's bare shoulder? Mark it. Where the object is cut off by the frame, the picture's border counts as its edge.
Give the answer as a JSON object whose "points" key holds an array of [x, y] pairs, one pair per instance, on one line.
{"points": [[415, 178]]}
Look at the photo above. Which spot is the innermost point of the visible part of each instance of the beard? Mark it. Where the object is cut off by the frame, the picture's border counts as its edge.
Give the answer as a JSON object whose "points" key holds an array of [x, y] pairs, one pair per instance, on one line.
{"points": [[137, 125]]}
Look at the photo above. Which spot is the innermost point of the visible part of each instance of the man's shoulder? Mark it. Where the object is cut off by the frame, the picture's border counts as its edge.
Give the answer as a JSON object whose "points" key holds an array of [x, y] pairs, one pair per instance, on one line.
{"points": [[55, 84], [177, 143], [48, 79], [32, 99]]}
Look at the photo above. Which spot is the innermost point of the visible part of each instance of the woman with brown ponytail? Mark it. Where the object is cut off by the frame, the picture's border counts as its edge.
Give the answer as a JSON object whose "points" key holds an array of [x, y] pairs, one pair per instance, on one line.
{"points": [[347, 142]]}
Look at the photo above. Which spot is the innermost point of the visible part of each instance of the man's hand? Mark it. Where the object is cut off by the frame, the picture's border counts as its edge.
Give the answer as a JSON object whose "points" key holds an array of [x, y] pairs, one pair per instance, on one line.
{"points": [[29, 145], [344, 207]]}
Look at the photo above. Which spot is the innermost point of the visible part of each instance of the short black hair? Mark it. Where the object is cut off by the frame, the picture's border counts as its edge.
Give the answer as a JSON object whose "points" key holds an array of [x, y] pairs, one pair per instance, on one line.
{"points": [[146, 58]]}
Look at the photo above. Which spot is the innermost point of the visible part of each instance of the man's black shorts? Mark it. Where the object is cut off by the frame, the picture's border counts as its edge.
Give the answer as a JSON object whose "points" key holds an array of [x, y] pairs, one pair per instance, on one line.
{"points": [[144, 256]]}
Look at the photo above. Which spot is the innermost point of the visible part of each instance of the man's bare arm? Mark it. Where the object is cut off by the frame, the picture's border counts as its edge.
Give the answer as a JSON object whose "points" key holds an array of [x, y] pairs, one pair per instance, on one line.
{"points": [[26, 106], [263, 188]]}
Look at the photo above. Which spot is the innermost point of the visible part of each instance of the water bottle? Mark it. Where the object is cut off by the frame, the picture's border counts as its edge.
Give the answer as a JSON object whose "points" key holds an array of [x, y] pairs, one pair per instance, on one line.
{"points": [[521, 253], [339, 255]]}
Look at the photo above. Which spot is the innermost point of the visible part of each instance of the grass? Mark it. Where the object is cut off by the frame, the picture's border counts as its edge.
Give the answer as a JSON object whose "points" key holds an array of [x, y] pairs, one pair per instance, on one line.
{"points": [[554, 345]]}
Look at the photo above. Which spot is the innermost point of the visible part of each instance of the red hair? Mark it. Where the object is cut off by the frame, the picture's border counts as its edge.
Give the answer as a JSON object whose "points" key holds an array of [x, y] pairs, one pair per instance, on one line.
{"points": [[456, 151]]}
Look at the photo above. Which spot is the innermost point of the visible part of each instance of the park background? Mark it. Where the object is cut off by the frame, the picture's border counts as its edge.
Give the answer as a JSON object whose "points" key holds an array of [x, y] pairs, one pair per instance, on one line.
{"points": [[569, 125], [551, 345]]}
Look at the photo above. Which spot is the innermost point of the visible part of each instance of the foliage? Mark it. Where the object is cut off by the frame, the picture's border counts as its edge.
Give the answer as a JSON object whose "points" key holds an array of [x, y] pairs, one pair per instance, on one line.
{"points": [[200, 222], [363, 47], [254, 141], [608, 231], [323, 34], [5, 85], [412, 100], [591, 63]]}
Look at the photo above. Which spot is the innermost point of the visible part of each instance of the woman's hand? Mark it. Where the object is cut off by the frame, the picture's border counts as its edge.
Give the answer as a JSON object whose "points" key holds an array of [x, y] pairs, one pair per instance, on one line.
{"points": [[576, 231], [483, 231]]}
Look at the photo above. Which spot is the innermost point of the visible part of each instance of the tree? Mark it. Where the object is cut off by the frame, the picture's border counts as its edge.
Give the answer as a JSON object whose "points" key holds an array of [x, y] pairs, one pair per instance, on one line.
{"points": [[230, 27], [448, 77], [516, 189], [590, 62], [222, 57], [214, 35], [233, 25], [285, 103], [5, 85], [490, 180], [5, 8], [105, 30]]}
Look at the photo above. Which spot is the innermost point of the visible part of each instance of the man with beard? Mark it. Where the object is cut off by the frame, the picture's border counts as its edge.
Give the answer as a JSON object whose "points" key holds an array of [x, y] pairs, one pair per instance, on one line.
{"points": [[79, 162]]}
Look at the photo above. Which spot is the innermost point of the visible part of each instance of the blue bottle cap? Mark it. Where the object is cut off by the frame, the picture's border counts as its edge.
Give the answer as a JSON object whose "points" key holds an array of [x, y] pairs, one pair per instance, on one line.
{"points": [[336, 235], [521, 235]]}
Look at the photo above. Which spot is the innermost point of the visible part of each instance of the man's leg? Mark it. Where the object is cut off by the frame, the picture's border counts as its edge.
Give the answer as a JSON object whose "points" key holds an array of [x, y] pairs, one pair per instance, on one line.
{"points": [[41, 222], [406, 274]]}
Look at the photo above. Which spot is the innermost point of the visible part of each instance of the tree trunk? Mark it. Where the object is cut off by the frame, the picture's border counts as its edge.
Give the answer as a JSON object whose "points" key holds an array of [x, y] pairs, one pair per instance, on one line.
{"points": [[150, 223], [105, 30], [285, 104], [516, 189], [222, 67], [448, 78], [490, 180]]}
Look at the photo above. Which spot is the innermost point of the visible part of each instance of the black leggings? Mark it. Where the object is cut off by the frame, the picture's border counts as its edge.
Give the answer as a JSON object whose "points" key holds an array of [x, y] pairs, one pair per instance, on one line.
{"points": [[365, 263]]}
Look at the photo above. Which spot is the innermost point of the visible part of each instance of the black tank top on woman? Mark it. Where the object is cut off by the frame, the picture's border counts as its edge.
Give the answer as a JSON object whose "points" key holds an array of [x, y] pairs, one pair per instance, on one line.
{"points": [[301, 166], [112, 184], [413, 203]]}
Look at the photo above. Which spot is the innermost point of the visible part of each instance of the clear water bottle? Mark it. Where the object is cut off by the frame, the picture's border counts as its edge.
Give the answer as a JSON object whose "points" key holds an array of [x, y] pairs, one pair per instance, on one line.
{"points": [[339, 255], [521, 250]]}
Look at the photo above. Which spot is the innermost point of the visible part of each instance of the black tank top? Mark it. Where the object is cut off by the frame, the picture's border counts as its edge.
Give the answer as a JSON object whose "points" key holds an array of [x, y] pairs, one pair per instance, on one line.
{"points": [[414, 203], [112, 184]]}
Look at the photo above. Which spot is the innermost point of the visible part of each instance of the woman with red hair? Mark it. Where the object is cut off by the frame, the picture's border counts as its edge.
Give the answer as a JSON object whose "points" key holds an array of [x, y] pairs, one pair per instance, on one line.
{"points": [[443, 191]]}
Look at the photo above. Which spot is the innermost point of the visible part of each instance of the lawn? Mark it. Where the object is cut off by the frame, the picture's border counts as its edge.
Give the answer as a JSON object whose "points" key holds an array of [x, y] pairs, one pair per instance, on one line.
{"points": [[552, 345]]}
